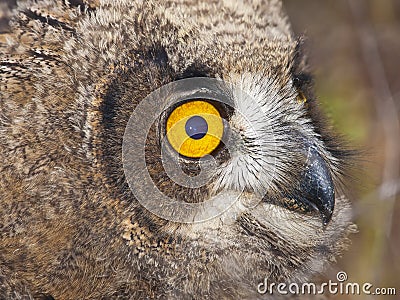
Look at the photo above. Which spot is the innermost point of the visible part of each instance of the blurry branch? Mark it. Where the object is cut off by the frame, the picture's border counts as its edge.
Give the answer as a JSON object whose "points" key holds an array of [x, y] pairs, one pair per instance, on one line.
{"points": [[383, 99], [386, 110]]}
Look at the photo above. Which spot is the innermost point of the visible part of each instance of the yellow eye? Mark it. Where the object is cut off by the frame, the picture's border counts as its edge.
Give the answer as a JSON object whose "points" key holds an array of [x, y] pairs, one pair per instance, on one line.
{"points": [[195, 128]]}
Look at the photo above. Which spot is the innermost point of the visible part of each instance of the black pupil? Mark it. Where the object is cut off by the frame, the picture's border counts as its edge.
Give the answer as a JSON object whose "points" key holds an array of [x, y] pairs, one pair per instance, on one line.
{"points": [[196, 127]]}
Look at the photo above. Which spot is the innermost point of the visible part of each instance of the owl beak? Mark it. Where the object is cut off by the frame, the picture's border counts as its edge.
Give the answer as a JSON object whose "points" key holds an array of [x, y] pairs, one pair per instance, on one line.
{"points": [[316, 186]]}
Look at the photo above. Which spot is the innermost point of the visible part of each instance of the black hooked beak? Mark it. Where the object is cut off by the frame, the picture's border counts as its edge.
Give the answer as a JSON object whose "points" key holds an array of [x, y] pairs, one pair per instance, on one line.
{"points": [[316, 186]]}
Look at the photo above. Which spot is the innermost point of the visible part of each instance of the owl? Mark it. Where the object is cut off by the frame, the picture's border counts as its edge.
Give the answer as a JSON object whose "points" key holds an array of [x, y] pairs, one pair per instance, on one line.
{"points": [[167, 149]]}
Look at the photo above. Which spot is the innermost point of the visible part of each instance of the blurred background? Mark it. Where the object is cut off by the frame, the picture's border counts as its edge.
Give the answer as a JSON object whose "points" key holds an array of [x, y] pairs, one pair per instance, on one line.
{"points": [[354, 52]]}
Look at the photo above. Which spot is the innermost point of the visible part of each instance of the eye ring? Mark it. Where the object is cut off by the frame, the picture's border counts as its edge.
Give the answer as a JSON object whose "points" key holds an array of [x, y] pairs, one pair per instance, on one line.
{"points": [[195, 128]]}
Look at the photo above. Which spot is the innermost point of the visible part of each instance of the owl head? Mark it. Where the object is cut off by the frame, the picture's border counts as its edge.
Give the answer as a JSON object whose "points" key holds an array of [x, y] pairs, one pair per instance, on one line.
{"points": [[212, 134], [186, 147]]}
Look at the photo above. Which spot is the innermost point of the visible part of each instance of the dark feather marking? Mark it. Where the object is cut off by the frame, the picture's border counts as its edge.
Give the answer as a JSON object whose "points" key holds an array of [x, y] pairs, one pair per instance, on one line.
{"points": [[47, 20]]}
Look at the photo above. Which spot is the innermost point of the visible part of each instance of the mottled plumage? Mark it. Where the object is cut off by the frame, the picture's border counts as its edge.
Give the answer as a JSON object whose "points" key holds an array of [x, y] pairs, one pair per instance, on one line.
{"points": [[72, 73]]}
